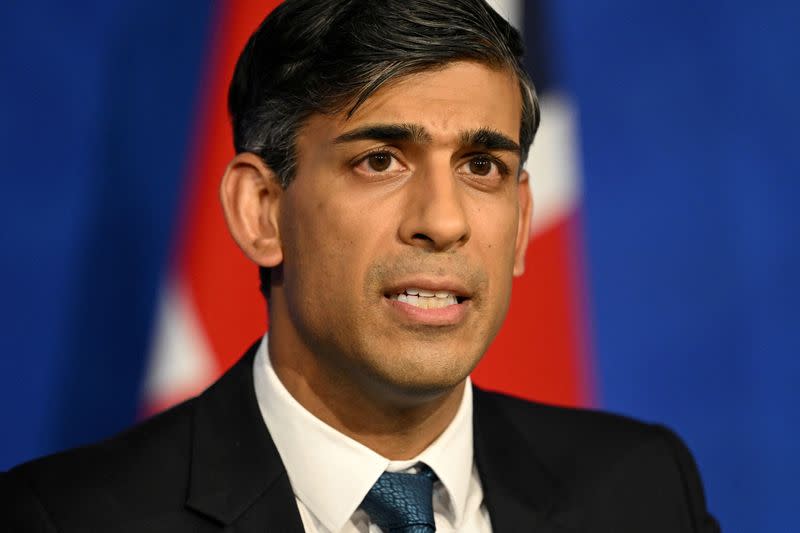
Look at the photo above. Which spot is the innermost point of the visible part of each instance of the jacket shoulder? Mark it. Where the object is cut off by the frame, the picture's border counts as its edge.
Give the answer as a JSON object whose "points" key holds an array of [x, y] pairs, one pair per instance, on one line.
{"points": [[609, 462], [571, 441], [566, 424], [140, 472]]}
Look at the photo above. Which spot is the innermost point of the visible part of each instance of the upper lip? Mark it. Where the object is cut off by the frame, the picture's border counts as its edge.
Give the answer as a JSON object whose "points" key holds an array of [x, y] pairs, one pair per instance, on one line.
{"points": [[430, 284]]}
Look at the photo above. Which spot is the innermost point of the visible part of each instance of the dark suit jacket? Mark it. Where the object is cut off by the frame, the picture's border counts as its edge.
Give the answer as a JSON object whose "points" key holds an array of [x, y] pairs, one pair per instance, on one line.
{"points": [[209, 464]]}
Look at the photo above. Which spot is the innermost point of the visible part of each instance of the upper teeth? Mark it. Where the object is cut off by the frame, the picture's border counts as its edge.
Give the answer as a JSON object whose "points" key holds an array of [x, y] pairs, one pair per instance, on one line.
{"points": [[426, 299], [427, 294]]}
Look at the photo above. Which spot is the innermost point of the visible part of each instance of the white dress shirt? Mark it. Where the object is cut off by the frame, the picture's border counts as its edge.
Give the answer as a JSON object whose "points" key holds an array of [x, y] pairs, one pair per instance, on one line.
{"points": [[331, 473]]}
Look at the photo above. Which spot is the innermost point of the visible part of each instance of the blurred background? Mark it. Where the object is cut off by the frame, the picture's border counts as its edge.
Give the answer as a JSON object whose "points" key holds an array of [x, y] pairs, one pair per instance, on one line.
{"points": [[663, 276]]}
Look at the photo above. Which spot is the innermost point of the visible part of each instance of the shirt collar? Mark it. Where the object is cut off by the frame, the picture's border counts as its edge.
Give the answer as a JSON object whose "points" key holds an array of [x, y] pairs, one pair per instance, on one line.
{"points": [[332, 473]]}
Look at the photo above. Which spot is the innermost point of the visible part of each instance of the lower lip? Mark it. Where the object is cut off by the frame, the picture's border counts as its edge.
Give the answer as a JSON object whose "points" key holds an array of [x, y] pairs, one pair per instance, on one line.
{"points": [[442, 316]]}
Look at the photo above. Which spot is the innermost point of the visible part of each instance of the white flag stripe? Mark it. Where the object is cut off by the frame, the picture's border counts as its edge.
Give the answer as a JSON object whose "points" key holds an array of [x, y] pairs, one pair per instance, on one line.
{"points": [[181, 362], [511, 10], [552, 163]]}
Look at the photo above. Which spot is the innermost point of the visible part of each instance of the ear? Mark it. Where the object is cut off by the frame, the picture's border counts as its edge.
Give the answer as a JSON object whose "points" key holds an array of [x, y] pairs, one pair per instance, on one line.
{"points": [[250, 196], [524, 225]]}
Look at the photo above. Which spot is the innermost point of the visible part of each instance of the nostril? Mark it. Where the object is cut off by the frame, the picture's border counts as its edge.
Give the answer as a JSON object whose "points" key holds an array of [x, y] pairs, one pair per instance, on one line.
{"points": [[421, 236]]}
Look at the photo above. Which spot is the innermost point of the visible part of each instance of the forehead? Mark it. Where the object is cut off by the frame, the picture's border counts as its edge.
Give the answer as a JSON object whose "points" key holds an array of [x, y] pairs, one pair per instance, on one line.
{"points": [[445, 102]]}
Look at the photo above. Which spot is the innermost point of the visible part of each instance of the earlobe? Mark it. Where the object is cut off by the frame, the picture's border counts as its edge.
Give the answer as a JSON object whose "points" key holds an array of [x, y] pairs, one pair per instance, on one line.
{"points": [[250, 196], [524, 223]]}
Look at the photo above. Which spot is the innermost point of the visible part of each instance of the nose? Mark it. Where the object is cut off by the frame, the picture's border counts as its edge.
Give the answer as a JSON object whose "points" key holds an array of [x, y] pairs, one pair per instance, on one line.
{"points": [[435, 218]]}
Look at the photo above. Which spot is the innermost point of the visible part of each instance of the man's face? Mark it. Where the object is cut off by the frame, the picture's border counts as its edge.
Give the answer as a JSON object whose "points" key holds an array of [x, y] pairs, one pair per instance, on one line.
{"points": [[401, 229]]}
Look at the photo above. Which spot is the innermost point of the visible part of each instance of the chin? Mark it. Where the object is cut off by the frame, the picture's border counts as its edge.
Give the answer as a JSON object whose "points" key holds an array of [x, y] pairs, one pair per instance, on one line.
{"points": [[423, 373]]}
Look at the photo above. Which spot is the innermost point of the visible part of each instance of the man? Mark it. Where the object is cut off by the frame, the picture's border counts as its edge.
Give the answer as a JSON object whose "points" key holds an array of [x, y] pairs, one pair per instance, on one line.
{"points": [[378, 184]]}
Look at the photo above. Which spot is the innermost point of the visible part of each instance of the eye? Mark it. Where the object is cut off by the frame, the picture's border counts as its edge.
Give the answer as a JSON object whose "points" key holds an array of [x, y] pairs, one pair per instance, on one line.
{"points": [[379, 162], [484, 166], [481, 166]]}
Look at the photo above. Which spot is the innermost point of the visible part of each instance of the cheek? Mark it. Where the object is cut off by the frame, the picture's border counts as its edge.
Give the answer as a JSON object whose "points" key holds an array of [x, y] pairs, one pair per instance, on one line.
{"points": [[494, 227], [498, 231], [329, 245]]}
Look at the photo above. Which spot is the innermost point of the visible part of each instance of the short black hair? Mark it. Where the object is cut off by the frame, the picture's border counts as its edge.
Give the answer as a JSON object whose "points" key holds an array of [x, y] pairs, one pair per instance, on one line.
{"points": [[328, 56]]}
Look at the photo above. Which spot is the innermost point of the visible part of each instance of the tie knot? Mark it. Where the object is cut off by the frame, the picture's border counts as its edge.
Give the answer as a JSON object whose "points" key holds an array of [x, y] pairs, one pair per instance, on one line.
{"points": [[403, 503]]}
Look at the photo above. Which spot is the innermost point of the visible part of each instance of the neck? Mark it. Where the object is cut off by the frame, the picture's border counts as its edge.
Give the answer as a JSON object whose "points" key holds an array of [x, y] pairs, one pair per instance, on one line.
{"points": [[394, 423]]}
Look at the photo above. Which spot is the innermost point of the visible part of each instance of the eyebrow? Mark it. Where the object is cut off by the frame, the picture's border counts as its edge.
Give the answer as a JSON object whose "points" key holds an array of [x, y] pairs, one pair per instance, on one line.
{"points": [[386, 132], [489, 140], [484, 138]]}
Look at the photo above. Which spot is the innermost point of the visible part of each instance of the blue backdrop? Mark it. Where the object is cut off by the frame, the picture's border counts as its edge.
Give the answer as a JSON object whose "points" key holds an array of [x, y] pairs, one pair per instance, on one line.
{"points": [[689, 123], [96, 109]]}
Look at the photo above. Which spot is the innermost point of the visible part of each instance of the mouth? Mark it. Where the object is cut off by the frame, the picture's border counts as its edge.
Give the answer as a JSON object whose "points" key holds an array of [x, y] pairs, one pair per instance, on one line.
{"points": [[427, 299], [433, 304]]}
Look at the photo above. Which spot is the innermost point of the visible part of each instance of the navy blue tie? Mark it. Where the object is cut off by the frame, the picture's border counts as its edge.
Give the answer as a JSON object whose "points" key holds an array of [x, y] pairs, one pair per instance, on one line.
{"points": [[402, 503]]}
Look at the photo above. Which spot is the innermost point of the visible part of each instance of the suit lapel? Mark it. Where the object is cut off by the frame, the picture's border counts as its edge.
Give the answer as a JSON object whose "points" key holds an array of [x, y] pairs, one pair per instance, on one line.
{"points": [[519, 492], [237, 477]]}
